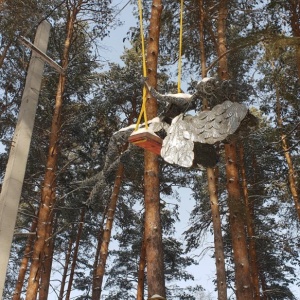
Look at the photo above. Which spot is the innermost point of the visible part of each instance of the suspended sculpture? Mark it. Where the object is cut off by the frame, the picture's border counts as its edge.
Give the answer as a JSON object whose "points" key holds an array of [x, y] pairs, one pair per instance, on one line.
{"points": [[188, 135], [207, 127], [188, 140]]}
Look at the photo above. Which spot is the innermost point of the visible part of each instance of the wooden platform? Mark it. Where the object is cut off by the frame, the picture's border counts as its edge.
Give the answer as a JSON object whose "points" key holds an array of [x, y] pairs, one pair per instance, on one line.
{"points": [[147, 141]]}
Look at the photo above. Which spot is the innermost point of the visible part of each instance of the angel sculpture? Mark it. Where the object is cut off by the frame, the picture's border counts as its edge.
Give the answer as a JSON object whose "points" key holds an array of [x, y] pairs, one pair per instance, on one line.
{"points": [[189, 140], [188, 134]]}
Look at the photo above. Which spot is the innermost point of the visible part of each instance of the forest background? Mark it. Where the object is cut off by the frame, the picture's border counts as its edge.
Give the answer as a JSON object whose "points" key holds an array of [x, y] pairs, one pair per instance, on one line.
{"points": [[102, 96]]}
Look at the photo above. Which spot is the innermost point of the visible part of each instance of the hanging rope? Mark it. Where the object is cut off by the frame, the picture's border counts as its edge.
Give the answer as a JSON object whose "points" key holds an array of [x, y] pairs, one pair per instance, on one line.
{"points": [[180, 47], [143, 110]]}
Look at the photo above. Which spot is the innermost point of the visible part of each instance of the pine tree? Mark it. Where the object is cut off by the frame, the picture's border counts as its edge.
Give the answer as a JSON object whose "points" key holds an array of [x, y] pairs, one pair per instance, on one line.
{"points": [[153, 232]]}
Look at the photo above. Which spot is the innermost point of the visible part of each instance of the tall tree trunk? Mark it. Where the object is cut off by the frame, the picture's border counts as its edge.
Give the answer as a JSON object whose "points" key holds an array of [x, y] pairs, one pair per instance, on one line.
{"points": [[141, 271], [66, 268], [47, 198], [97, 253], [24, 262], [47, 258], [249, 206], [99, 243], [202, 44], [212, 186], [237, 223], [46, 269], [97, 283], [153, 230], [218, 240], [235, 203], [287, 155], [295, 16], [75, 254]]}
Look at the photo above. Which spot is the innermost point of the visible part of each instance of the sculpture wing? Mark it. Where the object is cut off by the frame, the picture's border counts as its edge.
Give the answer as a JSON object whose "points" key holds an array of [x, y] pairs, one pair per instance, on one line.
{"points": [[177, 147], [209, 127]]}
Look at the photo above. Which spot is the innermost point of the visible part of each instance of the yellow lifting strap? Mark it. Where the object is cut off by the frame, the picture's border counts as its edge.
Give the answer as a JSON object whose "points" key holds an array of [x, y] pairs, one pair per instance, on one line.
{"points": [[180, 47], [143, 110]]}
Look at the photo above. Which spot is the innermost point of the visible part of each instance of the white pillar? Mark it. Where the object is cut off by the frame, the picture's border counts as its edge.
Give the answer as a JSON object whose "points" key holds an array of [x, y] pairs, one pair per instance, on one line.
{"points": [[15, 169]]}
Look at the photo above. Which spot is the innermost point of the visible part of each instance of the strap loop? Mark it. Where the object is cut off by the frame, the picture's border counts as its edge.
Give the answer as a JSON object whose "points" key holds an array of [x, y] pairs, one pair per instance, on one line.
{"points": [[143, 110]]}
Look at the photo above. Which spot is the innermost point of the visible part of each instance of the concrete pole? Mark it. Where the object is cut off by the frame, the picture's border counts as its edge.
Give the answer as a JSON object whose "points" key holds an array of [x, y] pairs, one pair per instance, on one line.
{"points": [[15, 169]]}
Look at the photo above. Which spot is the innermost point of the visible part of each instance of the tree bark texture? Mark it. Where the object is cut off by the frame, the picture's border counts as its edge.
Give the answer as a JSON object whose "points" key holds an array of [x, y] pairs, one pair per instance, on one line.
{"points": [[141, 272], [47, 259], [218, 240], [47, 198], [24, 262], [294, 7], [212, 184], [97, 253], [237, 226], [287, 155], [75, 254], [99, 243], [100, 271], [249, 206], [202, 43], [153, 230], [66, 268], [235, 203]]}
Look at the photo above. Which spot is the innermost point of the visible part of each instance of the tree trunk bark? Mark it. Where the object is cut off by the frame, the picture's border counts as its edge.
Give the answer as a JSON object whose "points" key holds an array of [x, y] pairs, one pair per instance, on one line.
{"points": [[66, 268], [218, 240], [47, 258], [141, 271], [212, 185], [97, 283], [46, 266], [249, 206], [99, 243], [235, 203], [47, 198], [153, 230], [202, 44], [97, 253], [237, 223], [24, 262], [75, 254], [295, 16], [287, 155]]}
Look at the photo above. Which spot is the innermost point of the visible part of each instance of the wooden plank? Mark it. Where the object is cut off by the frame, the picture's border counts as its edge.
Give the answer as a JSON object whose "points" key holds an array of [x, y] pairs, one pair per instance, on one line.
{"points": [[147, 141]]}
